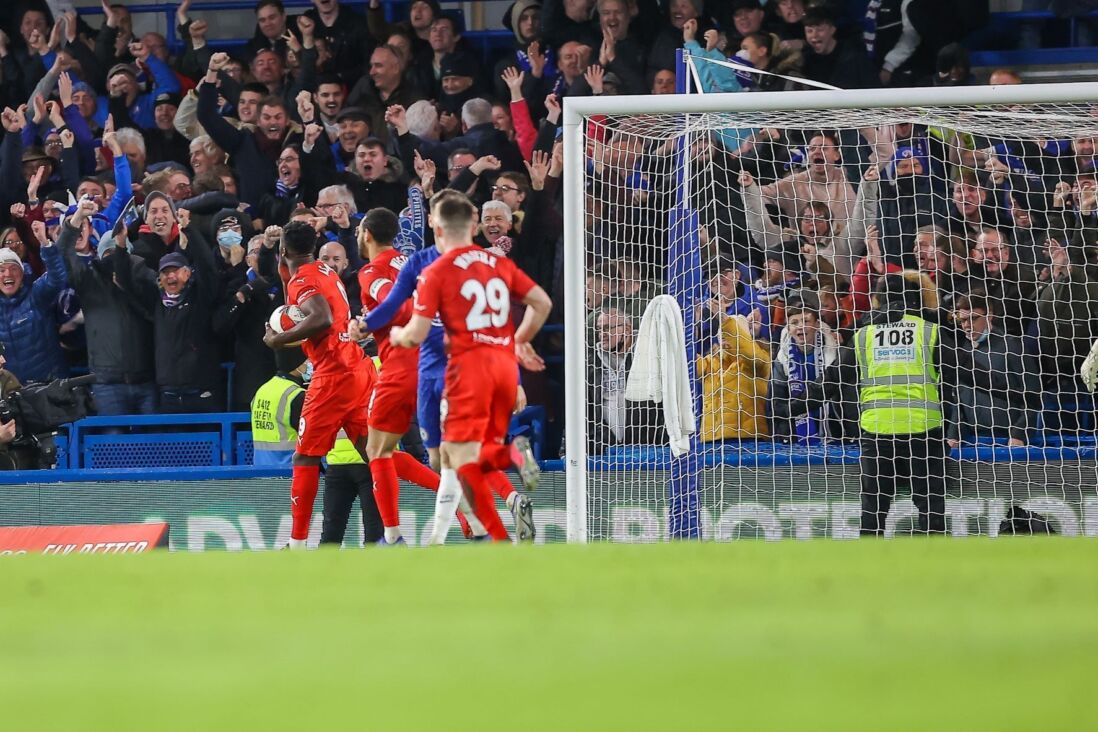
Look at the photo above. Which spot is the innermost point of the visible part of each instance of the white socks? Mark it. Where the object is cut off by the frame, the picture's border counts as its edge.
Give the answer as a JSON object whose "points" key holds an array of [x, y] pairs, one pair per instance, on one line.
{"points": [[446, 505], [470, 518], [297, 544], [392, 533]]}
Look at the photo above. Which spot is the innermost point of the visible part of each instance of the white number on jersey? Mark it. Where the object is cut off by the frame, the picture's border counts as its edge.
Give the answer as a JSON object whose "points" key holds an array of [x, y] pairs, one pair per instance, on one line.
{"points": [[491, 303]]}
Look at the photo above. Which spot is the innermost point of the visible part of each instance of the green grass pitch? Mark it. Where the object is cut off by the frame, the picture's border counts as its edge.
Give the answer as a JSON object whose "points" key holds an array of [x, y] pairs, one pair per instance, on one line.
{"points": [[907, 634]]}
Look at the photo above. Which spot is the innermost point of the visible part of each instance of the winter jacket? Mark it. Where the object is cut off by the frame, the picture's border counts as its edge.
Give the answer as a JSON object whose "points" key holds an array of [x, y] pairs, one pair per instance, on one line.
{"points": [[1066, 326], [120, 342], [482, 139], [847, 67], [786, 62], [833, 395], [28, 324], [613, 420], [537, 236], [163, 81], [187, 354], [246, 323], [734, 377], [993, 381], [902, 208], [250, 155]]}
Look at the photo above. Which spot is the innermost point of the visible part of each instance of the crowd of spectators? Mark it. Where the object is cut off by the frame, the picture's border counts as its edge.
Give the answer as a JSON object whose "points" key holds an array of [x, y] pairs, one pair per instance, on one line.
{"points": [[137, 182]]}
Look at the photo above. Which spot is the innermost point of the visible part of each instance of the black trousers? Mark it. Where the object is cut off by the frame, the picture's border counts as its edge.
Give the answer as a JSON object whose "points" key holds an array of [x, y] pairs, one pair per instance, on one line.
{"points": [[917, 461], [342, 485]]}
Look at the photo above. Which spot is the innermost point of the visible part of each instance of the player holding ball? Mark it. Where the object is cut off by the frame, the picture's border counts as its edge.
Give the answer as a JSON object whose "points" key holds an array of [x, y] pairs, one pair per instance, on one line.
{"points": [[342, 380]]}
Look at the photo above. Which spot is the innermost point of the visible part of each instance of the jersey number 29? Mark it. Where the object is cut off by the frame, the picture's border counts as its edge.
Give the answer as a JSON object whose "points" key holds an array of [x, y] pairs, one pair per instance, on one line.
{"points": [[491, 303]]}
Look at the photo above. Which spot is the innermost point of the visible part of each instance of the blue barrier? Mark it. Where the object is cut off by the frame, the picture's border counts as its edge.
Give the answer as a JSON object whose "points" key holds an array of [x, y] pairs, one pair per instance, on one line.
{"points": [[93, 442], [68, 475], [762, 454]]}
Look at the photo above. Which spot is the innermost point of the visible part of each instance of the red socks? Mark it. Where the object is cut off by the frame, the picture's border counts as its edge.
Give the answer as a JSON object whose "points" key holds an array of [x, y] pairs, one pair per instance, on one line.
{"points": [[410, 469], [386, 490], [303, 488], [483, 505], [498, 481]]}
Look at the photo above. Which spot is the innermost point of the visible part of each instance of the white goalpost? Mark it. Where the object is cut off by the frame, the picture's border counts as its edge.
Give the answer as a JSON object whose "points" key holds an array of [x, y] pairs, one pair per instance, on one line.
{"points": [[788, 228]]}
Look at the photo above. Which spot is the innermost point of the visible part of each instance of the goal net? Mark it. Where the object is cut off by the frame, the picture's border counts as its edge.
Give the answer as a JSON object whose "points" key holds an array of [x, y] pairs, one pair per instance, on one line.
{"points": [[885, 298]]}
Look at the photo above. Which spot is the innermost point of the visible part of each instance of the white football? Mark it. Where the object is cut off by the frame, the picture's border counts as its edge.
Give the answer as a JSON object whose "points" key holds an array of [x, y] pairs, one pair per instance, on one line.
{"points": [[285, 317]]}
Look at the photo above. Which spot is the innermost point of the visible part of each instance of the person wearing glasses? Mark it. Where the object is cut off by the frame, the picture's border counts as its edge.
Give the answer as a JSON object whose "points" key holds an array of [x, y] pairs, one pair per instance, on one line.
{"points": [[994, 377]]}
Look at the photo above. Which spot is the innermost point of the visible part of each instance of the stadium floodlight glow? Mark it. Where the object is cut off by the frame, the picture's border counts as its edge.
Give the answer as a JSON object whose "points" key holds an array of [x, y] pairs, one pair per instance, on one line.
{"points": [[652, 193]]}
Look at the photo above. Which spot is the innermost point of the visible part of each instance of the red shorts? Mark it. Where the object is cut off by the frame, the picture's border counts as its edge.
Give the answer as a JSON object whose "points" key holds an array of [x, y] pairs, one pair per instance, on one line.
{"points": [[394, 400], [332, 403], [479, 398]]}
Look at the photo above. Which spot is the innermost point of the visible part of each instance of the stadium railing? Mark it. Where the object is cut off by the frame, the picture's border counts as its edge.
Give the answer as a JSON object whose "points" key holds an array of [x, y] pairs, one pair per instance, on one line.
{"points": [[490, 40], [199, 441]]}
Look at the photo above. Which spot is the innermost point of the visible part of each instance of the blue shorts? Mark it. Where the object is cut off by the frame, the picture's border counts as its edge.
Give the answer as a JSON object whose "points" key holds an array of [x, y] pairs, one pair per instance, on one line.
{"points": [[428, 405]]}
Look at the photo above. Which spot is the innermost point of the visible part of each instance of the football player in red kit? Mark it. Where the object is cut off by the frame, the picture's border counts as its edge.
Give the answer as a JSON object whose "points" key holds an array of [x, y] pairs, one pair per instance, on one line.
{"points": [[471, 290], [342, 377], [393, 403]]}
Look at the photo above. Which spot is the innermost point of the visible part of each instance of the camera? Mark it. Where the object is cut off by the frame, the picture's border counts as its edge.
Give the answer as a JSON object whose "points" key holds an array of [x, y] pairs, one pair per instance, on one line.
{"points": [[39, 410]]}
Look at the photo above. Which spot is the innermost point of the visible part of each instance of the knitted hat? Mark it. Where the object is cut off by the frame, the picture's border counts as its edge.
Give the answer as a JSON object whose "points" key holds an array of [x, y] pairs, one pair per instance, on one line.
{"points": [[7, 256], [104, 246], [155, 195], [457, 64], [914, 153]]}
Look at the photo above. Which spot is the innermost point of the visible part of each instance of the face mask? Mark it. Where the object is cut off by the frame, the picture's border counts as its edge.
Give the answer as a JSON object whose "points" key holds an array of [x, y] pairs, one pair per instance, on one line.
{"points": [[308, 375], [229, 238]]}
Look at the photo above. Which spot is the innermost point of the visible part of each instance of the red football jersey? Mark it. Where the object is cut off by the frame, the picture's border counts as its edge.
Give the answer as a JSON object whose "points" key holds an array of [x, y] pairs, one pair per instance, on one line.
{"points": [[331, 351], [375, 280], [471, 289]]}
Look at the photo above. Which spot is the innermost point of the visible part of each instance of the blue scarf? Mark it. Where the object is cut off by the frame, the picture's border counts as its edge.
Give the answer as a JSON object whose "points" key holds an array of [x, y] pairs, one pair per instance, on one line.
{"points": [[522, 59], [284, 191], [869, 26], [802, 370]]}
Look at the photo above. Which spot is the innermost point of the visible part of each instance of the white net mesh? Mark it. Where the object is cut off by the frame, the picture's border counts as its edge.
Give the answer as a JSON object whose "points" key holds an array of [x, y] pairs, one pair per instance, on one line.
{"points": [[885, 312]]}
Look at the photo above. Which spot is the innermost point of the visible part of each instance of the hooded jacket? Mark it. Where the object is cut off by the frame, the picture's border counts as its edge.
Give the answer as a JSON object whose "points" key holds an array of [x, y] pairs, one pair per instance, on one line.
{"points": [[993, 380], [734, 378]]}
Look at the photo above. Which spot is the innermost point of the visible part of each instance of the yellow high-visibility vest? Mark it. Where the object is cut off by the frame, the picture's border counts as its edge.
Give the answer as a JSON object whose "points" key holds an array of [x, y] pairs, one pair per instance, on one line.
{"points": [[273, 437], [898, 383]]}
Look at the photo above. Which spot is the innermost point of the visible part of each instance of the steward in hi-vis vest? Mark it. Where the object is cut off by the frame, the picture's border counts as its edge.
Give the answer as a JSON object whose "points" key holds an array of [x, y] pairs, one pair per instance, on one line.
{"points": [[903, 441], [276, 409]]}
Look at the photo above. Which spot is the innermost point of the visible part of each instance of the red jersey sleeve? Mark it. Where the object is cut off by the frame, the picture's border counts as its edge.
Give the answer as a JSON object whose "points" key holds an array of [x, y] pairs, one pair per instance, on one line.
{"points": [[374, 283], [302, 286]]}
